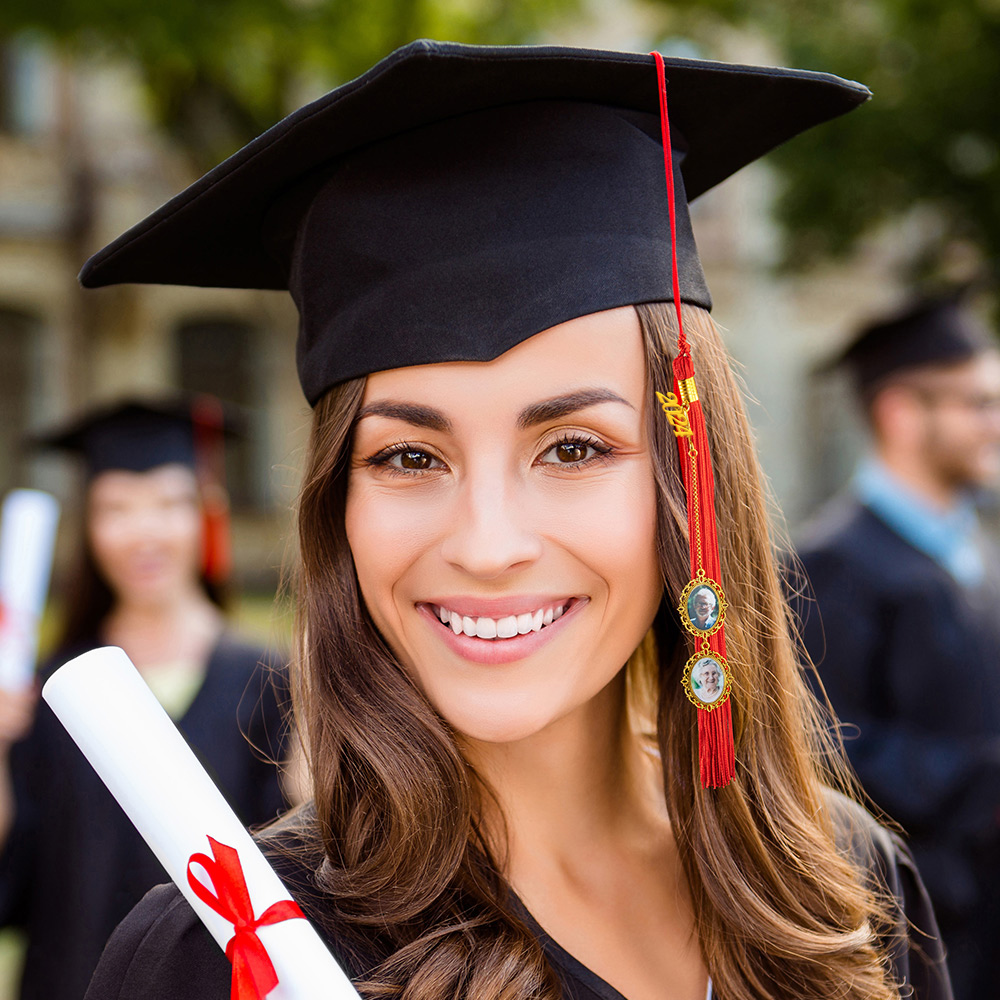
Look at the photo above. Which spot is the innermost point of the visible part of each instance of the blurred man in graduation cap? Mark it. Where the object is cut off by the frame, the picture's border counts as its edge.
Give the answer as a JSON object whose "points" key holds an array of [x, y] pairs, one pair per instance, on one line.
{"points": [[150, 577], [905, 630]]}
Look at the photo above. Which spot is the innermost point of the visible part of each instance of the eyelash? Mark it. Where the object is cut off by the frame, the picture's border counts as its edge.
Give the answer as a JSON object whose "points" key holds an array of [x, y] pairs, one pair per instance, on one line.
{"points": [[602, 452], [383, 459]]}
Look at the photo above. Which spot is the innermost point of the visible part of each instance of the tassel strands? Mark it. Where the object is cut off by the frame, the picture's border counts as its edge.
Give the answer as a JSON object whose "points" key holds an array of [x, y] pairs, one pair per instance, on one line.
{"points": [[208, 421], [702, 607]]}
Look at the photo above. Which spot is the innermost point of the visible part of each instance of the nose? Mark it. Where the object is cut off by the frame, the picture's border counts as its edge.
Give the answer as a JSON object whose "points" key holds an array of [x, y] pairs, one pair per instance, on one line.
{"points": [[491, 531]]}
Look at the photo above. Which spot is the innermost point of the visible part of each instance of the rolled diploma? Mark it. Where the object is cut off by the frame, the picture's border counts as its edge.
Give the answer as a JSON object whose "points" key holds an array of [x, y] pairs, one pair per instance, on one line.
{"points": [[140, 755], [28, 523]]}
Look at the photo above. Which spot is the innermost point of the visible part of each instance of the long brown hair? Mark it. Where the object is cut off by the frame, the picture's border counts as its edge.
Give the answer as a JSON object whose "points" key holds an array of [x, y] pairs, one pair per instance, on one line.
{"points": [[404, 858]]}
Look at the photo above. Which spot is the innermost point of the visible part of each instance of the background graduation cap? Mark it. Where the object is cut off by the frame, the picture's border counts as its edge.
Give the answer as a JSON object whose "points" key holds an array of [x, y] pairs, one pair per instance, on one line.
{"points": [[456, 200], [931, 330], [137, 435]]}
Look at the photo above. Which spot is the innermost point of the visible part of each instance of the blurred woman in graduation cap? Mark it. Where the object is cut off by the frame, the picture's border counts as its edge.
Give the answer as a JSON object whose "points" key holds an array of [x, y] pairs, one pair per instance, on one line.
{"points": [[528, 451], [150, 578]]}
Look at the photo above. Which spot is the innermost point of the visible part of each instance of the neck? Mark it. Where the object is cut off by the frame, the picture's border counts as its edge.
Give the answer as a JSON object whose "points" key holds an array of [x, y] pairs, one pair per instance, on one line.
{"points": [[581, 787], [915, 476], [181, 627]]}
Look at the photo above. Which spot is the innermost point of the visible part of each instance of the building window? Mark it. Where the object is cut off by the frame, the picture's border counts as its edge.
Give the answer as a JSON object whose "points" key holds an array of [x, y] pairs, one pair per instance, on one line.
{"points": [[219, 356], [27, 86], [18, 333]]}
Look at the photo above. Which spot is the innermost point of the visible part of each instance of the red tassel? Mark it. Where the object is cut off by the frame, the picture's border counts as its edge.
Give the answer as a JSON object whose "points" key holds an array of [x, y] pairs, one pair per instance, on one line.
{"points": [[707, 679], [207, 417]]}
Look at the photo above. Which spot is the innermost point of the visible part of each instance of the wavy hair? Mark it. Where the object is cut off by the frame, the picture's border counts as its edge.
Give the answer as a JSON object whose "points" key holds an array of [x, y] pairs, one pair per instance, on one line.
{"points": [[402, 854]]}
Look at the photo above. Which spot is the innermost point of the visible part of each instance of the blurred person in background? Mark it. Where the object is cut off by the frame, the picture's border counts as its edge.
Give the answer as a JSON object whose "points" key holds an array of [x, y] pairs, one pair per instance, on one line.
{"points": [[150, 579], [905, 631]]}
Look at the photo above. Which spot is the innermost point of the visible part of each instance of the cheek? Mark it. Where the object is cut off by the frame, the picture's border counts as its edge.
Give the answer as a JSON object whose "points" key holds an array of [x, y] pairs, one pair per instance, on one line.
{"points": [[186, 529], [387, 532], [106, 543]]}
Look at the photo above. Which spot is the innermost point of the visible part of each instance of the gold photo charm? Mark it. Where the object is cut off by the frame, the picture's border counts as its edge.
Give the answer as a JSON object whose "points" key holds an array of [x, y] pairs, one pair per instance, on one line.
{"points": [[702, 606], [706, 679]]}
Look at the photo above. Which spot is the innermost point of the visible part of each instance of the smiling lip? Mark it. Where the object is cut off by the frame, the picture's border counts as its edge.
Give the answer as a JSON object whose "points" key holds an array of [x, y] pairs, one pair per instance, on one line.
{"points": [[499, 630]]}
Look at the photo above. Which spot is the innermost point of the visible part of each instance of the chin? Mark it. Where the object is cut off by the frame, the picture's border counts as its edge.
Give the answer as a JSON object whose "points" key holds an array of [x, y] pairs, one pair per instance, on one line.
{"points": [[495, 722]]}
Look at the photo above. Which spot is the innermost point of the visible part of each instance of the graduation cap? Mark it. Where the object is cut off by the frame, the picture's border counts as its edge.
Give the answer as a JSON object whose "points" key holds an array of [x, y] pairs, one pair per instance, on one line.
{"points": [[137, 435], [932, 330], [456, 200]]}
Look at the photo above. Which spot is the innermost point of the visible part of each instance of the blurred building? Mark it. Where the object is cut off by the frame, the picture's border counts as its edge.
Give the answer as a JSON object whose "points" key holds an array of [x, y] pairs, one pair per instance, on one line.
{"points": [[79, 163]]}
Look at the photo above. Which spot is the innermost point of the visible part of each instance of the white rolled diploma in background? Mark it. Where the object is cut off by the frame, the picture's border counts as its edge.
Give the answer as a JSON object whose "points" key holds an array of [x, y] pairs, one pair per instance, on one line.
{"points": [[143, 759], [28, 521]]}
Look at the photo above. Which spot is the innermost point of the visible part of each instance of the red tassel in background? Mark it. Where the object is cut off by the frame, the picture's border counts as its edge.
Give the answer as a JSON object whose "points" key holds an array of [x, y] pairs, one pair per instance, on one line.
{"points": [[208, 420]]}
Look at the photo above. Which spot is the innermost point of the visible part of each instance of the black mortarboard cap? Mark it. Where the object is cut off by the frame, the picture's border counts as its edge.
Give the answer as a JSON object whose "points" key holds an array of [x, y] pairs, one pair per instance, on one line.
{"points": [[134, 435], [455, 200], [938, 330]]}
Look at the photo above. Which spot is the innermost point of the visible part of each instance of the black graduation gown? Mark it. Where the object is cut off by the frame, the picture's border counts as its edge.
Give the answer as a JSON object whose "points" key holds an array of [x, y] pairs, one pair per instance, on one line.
{"points": [[911, 663], [163, 952], [74, 865]]}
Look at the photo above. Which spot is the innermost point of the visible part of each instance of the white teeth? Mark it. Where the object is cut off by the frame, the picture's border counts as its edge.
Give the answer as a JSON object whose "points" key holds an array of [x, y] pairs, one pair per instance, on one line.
{"points": [[486, 628], [483, 627], [506, 627]]}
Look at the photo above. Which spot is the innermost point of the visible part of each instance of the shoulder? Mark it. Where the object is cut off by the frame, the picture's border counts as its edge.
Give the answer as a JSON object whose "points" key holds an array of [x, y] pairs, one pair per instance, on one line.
{"points": [[161, 951], [912, 939], [234, 653], [255, 675], [847, 541]]}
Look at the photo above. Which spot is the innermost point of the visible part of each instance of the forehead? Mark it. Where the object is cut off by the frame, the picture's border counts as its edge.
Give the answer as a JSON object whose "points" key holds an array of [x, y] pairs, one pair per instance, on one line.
{"points": [[118, 484], [603, 349]]}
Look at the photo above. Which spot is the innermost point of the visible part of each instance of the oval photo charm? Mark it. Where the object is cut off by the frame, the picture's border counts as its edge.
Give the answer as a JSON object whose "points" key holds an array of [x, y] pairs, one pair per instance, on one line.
{"points": [[706, 680], [702, 607]]}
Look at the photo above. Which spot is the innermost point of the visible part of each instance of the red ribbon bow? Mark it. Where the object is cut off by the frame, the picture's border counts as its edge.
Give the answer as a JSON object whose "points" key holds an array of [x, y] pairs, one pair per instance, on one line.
{"points": [[253, 972]]}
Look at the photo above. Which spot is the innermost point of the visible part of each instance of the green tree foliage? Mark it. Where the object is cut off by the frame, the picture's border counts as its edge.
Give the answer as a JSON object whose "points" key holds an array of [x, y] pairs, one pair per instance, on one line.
{"points": [[929, 139], [218, 72]]}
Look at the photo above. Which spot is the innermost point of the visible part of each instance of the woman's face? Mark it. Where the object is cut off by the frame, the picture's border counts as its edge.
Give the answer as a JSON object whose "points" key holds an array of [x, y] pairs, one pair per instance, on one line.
{"points": [[502, 520], [145, 532]]}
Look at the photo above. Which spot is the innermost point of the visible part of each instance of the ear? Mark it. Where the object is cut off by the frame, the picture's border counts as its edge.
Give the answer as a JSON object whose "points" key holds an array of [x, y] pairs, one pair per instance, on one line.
{"points": [[896, 414]]}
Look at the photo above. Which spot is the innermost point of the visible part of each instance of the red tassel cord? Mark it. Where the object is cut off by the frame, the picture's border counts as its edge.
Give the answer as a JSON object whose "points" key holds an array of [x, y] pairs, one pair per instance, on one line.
{"points": [[707, 679], [208, 418]]}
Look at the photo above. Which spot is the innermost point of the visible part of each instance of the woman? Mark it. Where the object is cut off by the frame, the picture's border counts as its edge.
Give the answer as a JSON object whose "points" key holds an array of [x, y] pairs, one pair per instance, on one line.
{"points": [[72, 865], [514, 795]]}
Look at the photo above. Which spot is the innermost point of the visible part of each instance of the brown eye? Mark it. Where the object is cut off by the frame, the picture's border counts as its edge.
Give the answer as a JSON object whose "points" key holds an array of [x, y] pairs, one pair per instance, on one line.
{"points": [[415, 460], [579, 452], [571, 451]]}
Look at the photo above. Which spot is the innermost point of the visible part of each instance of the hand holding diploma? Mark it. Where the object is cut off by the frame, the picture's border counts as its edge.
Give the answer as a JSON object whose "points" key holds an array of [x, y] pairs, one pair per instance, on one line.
{"points": [[142, 758]]}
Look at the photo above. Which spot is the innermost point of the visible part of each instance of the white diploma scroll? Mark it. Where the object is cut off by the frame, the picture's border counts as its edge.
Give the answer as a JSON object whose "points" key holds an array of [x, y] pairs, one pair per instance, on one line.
{"points": [[28, 521], [149, 768]]}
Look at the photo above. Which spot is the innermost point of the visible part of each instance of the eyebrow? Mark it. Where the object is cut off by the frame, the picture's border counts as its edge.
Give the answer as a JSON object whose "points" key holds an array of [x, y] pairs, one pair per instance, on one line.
{"points": [[530, 416], [411, 413], [561, 406]]}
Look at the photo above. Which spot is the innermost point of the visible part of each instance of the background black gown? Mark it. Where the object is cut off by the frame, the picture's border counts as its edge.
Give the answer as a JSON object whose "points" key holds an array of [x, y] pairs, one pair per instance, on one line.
{"points": [[74, 866], [163, 952], [911, 662]]}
